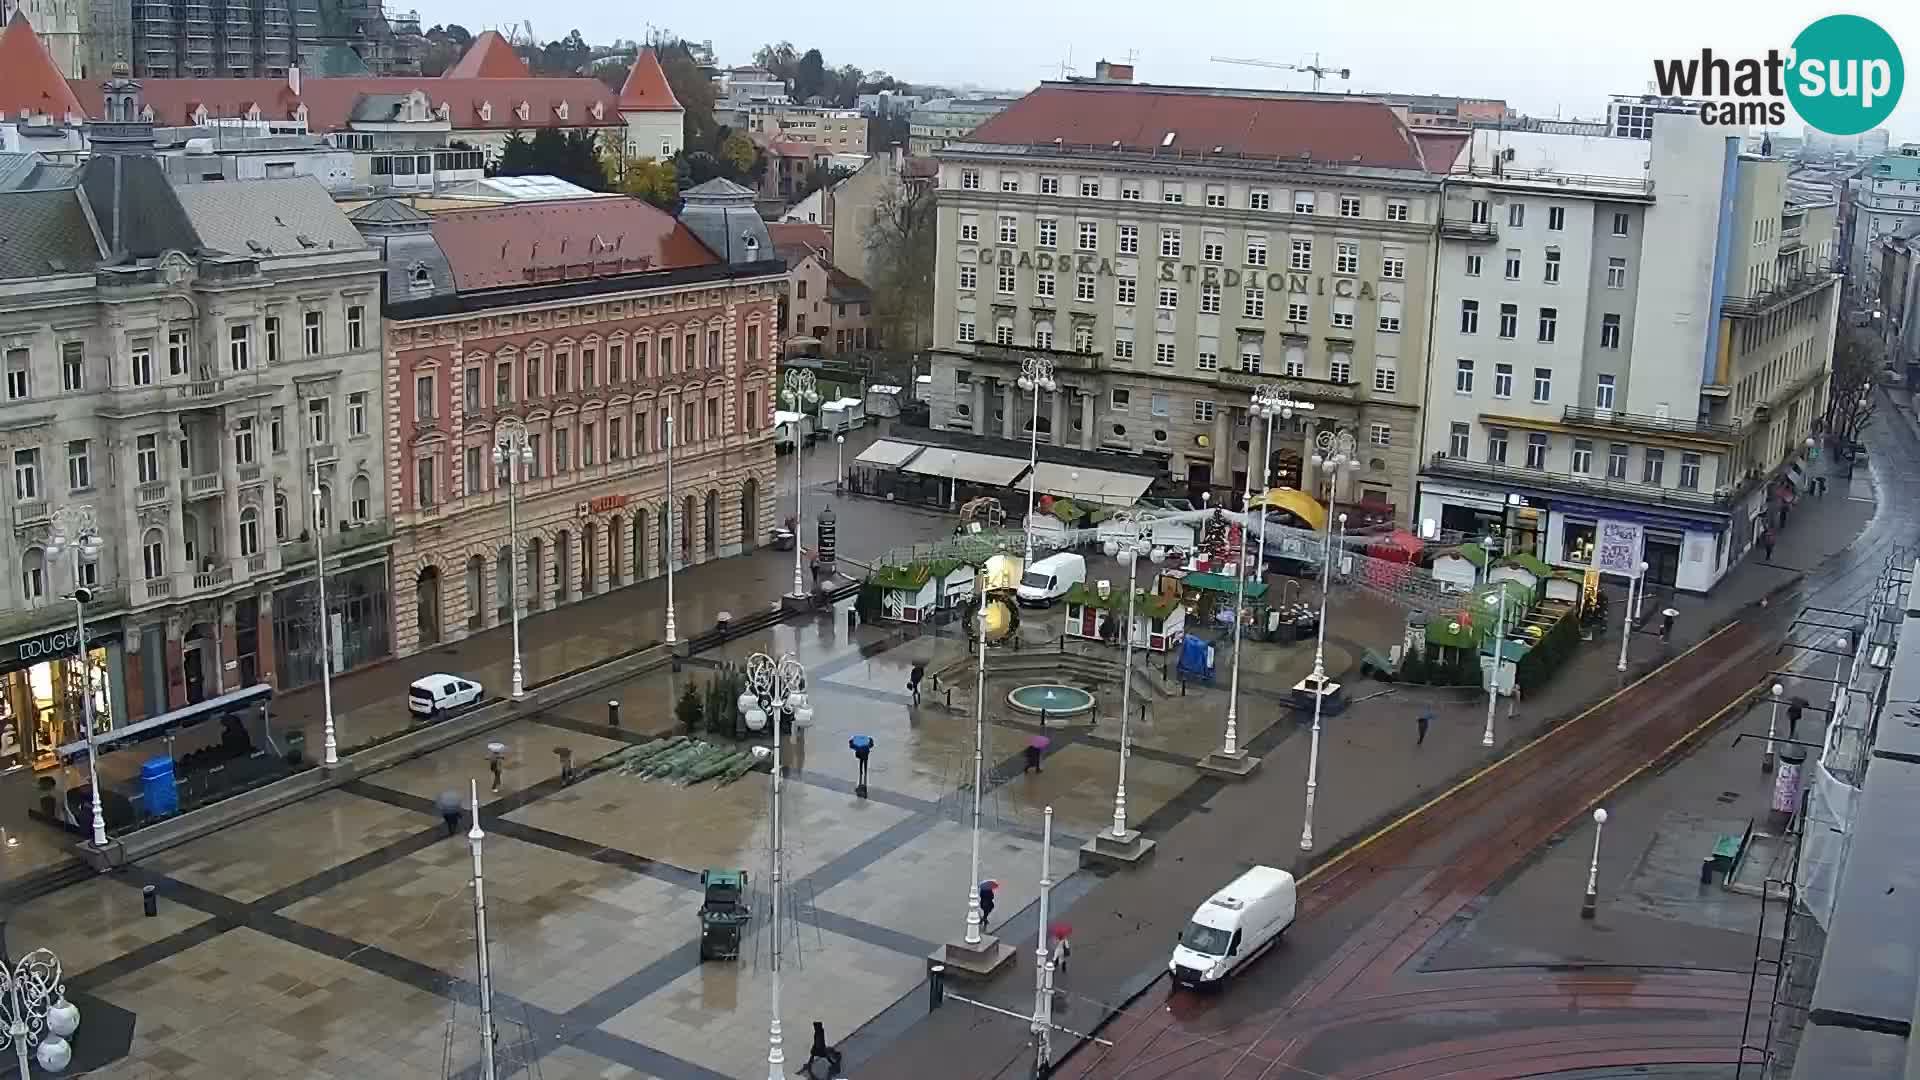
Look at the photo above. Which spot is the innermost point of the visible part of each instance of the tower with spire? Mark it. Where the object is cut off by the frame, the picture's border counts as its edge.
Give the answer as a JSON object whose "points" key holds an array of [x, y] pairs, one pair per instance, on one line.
{"points": [[124, 126]]}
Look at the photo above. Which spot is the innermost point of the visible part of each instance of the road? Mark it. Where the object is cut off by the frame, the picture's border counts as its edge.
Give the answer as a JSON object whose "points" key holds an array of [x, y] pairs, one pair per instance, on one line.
{"points": [[1368, 917]]}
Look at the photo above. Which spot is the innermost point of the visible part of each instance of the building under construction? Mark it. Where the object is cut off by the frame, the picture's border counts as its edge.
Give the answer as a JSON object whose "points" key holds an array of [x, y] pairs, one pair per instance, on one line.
{"points": [[225, 38]]}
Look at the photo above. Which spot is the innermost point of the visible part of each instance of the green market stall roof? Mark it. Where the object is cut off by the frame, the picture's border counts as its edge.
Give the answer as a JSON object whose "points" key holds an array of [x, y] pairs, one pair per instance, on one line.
{"points": [[1473, 553], [1221, 583], [1147, 603], [1527, 562], [913, 575]]}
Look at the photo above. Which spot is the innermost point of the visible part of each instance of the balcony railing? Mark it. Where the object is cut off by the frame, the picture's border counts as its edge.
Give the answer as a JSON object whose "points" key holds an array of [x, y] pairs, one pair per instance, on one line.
{"points": [[1063, 359], [249, 474], [256, 564], [214, 578], [1498, 170], [1801, 281], [205, 485], [1300, 386], [1510, 476], [158, 589], [153, 494], [1616, 420], [1456, 229], [29, 512], [325, 452]]}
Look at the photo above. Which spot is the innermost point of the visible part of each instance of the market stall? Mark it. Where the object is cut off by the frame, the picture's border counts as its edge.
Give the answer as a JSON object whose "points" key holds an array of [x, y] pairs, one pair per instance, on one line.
{"points": [[1099, 612]]}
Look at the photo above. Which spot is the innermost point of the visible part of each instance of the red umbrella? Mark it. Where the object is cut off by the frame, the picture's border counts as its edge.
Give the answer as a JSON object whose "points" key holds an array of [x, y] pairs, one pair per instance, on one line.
{"points": [[1061, 930]]}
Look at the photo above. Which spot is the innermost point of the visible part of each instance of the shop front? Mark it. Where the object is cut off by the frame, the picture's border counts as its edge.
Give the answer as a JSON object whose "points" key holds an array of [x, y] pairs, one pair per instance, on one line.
{"points": [[359, 631], [41, 682], [1680, 553]]}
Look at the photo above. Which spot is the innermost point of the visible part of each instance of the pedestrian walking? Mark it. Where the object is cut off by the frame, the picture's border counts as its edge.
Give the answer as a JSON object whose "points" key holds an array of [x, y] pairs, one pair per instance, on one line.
{"points": [[1793, 716], [862, 745], [1421, 721], [1035, 747], [449, 806], [1062, 951], [986, 901], [1766, 538], [918, 672], [496, 757], [820, 1054]]}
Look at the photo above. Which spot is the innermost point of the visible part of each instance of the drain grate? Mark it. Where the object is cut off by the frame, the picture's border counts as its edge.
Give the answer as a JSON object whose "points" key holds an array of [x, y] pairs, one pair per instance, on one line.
{"points": [[1728, 796]]}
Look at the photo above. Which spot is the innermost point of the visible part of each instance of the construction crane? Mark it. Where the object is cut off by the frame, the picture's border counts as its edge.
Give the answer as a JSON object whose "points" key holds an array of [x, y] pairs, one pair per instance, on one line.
{"points": [[1315, 69]]}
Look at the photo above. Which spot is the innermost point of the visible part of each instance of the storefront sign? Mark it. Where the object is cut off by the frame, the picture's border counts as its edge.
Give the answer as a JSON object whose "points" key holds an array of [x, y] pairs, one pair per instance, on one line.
{"points": [[55, 644], [604, 503], [1619, 546], [1273, 281]]}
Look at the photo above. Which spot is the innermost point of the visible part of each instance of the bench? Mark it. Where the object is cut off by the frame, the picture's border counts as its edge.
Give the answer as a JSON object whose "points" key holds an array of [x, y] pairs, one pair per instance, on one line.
{"points": [[1726, 851]]}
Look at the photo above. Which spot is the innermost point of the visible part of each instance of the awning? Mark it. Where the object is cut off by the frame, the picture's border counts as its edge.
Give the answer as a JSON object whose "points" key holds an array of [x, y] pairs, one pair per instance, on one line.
{"points": [[887, 454], [964, 465], [1089, 485], [1298, 503], [160, 725]]}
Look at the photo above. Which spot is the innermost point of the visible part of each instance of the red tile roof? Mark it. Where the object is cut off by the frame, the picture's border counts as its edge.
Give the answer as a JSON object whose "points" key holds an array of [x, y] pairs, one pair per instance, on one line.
{"points": [[1139, 118], [29, 80], [563, 240], [646, 89], [489, 57], [793, 239], [1441, 148], [330, 102]]}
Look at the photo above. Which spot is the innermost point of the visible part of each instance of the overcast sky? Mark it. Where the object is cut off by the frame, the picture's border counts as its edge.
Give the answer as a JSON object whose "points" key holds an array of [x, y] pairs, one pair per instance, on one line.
{"points": [[1512, 49]]}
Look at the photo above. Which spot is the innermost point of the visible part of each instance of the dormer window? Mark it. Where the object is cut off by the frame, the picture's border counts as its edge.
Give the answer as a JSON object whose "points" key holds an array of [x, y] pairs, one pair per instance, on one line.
{"points": [[253, 112], [420, 278], [522, 110], [486, 111], [560, 110], [598, 110], [444, 112], [199, 115]]}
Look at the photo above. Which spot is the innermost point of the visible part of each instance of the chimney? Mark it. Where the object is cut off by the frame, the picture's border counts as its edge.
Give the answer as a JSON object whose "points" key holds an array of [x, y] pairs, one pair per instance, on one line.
{"points": [[293, 79], [1112, 73]]}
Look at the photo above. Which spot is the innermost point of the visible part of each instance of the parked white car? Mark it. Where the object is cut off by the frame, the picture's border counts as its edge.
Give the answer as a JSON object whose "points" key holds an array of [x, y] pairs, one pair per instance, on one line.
{"points": [[432, 695]]}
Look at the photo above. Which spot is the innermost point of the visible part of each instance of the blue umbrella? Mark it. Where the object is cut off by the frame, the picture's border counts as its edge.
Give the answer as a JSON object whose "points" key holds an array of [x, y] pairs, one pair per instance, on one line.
{"points": [[861, 742]]}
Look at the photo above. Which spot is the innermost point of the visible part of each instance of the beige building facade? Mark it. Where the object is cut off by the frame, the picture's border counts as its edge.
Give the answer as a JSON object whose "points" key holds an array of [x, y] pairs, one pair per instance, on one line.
{"points": [[1167, 283]]}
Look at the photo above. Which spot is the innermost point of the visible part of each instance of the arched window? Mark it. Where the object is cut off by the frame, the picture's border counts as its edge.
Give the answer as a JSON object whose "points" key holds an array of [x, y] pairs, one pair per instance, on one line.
{"points": [[362, 498], [324, 517], [421, 278], [153, 554], [249, 532], [280, 520], [33, 575]]}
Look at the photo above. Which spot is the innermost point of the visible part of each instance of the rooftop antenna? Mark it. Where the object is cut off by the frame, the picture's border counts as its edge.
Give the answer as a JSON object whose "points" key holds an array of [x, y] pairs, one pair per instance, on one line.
{"points": [[1066, 66]]}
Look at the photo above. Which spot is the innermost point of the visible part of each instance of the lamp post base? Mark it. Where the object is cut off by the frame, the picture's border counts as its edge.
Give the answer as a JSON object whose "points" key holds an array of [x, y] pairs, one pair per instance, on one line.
{"points": [[793, 602], [1588, 906], [973, 961], [1108, 848], [1237, 765]]}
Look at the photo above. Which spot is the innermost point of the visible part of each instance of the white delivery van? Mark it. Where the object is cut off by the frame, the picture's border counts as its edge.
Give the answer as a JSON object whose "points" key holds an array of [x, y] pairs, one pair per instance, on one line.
{"points": [[432, 695], [1049, 579], [1235, 925]]}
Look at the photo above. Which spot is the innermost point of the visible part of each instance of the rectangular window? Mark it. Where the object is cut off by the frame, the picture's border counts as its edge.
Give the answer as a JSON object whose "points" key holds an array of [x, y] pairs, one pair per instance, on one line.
{"points": [[1389, 324], [1203, 412], [1690, 471], [1083, 288], [1164, 353], [239, 344], [470, 472], [1169, 243], [587, 433], [1616, 273], [310, 328], [970, 179], [1049, 185], [1516, 214], [1346, 258], [1216, 195], [617, 450], [1583, 457], [1207, 361], [1009, 229], [1653, 466], [1497, 446], [1118, 399], [1258, 199], [1010, 182], [1169, 297], [1210, 299], [1342, 316], [1513, 266], [1130, 191], [19, 374], [1549, 323], [1043, 285], [1089, 189], [1503, 380], [1542, 385], [1299, 312], [969, 233], [1458, 441], [1008, 281], [1340, 369], [422, 397], [1620, 221], [1473, 266], [140, 362], [146, 458], [1172, 193], [1301, 257], [1303, 202], [273, 339], [1394, 269], [1129, 239], [26, 474], [1469, 316], [1397, 210], [1256, 251], [616, 358], [177, 349], [1386, 377], [356, 414], [562, 452], [1349, 206], [73, 371], [80, 464], [1003, 333], [969, 277], [1536, 451], [1089, 236], [423, 482], [1609, 331], [356, 327], [277, 430], [1463, 376], [1049, 232], [963, 332], [243, 441], [1509, 320], [1296, 366], [1481, 212], [1616, 461], [1380, 435], [1126, 290], [1556, 218], [1123, 348], [1553, 267], [1603, 393], [503, 383]]}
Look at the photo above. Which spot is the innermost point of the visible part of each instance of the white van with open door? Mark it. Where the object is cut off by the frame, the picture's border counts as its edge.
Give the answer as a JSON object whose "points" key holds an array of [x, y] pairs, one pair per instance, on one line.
{"points": [[1049, 579], [432, 695], [1235, 925]]}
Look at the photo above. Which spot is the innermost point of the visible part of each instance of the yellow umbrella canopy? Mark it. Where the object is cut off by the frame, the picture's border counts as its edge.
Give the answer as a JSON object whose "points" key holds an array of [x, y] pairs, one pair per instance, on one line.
{"points": [[1296, 502]]}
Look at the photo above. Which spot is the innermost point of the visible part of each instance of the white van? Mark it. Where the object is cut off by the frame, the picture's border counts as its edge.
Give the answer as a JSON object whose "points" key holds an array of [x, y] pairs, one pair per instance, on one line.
{"points": [[1049, 579], [431, 695], [1235, 925]]}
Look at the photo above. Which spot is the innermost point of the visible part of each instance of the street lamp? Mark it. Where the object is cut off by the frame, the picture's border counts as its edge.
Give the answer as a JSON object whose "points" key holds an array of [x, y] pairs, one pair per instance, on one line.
{"points": [[839, 462], [1773, 721], [513, 450], [974, 917], [73, 531], [1270, 400], [1036, 374], [1335, 451], [671, 544], [331, 755], [34, 999], [799, 392], [1498, 598], [776, 686], [1592, 899], [474, 839], [1628, 608], [1127, 549]]}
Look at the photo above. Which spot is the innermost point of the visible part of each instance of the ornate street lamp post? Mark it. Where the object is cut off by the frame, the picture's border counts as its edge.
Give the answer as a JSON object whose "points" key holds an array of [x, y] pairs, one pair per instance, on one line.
{"points": [[1270, 401], [799, 391], [775, 687], [1036, 374], [34, 999], [512, 450], [1333, 451], [1127, 544], [73, 532]]}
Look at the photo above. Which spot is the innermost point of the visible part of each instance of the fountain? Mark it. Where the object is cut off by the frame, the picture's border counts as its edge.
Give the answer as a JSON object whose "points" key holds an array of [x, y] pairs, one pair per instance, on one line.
{"points": [[1053, 699]]}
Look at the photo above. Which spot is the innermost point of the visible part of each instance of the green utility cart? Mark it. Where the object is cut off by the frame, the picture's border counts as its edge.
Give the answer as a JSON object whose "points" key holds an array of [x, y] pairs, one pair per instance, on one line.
{"points": [[723, 913]]}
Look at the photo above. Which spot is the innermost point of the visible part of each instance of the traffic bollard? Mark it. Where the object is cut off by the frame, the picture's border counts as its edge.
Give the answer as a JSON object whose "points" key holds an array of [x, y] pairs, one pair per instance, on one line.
{"points": [[613, 713], [936, 986], [149, 901]]}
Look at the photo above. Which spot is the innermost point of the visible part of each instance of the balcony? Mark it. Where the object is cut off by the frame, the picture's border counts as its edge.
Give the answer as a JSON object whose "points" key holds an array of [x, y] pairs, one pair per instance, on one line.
{"points": [[1800, 281], [158, 589], [250, 475], [1499, 172], [205, 486], [258, 564], [324, 453], [1478, 231], [1613, 420], [214, 578], [1510, 476], [1298, 387], [30, 512], [1063, 359], [152, 494]]}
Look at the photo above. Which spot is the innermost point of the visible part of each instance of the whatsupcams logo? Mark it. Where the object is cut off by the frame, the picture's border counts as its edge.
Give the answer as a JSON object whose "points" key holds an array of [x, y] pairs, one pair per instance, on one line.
{"points": [[1843, 75]]}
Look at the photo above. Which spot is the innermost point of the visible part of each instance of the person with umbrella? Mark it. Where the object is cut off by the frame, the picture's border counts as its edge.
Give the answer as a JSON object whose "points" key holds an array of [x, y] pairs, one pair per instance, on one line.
{"points": [[1794, 712], [862, 745], [449, 806], [1062, 948], [1035, 747], [986, 901]]}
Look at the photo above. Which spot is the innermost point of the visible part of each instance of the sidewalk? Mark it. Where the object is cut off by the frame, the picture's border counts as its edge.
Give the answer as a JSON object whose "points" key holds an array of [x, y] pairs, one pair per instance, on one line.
{"points": [[1370, 770]]}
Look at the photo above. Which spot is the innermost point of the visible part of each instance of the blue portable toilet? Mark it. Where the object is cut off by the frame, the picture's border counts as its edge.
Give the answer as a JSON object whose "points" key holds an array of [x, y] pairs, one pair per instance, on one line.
{"points": [[157, 783], [1196, 658]]}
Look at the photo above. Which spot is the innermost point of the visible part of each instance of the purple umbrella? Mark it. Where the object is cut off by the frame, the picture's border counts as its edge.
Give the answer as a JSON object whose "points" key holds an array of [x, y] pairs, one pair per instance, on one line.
{"points": [[1039, 742]]}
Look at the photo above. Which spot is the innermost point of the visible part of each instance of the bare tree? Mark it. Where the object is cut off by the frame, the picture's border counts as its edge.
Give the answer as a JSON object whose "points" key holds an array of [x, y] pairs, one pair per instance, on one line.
{"points": [[900, 260], [1857, 359]]}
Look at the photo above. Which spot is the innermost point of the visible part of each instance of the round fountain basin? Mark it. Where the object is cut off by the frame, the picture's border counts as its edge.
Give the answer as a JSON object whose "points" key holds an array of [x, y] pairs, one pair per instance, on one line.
{"points": [[1054, 699]]}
